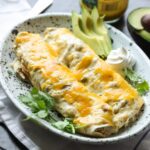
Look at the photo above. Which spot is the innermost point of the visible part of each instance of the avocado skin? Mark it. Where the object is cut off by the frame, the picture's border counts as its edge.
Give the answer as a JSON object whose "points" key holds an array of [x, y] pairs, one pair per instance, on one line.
{"points": [[145, 45]]}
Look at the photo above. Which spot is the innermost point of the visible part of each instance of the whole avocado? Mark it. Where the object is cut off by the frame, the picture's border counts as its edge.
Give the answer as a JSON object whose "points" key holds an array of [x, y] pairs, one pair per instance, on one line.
{"points": [[139, 27]]}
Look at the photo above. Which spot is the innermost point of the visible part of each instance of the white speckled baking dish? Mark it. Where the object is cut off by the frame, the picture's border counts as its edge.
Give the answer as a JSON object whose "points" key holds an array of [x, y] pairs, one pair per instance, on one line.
{"points": [[14, 87]]}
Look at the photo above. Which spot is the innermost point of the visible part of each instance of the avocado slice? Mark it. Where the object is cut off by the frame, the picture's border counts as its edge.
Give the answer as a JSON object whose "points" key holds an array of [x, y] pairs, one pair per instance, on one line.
{"points": [[98, 22], [92, 41], [134, 18], [87, 23], [90, 28], [138, 25], [100, 28]]}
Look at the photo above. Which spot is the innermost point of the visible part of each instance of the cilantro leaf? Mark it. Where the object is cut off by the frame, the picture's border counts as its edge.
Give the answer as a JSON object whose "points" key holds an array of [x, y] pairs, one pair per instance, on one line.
{"points": [[42, 114], [136, 81], [65, 125], [42, 105], [39, 95], [34, 91], [28, 100]]}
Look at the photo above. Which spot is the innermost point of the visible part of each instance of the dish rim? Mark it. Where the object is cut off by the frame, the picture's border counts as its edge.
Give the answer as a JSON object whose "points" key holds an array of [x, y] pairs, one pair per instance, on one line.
{"points": [[75, 137]]}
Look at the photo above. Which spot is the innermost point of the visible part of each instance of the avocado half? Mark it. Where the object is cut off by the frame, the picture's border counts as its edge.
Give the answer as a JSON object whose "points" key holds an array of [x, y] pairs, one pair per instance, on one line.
{"points": [[139, 27]]}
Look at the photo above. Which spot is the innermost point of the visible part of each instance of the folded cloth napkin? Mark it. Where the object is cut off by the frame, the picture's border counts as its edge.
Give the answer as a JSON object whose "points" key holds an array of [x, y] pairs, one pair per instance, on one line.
{"points": [[10, 118]]}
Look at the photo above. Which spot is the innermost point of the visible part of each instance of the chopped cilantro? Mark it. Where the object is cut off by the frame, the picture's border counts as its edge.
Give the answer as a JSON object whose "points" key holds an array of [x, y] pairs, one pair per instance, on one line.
{"points": [[136, 81], [42, 105]]}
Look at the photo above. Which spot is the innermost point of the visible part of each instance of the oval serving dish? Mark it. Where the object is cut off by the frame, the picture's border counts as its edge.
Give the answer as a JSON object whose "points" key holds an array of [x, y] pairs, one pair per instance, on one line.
{"points": [[13, 86]]}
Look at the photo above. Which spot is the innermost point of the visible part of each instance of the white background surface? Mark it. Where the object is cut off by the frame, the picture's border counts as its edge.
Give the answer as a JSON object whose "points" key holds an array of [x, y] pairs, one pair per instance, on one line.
{"points": [[11, 12]]}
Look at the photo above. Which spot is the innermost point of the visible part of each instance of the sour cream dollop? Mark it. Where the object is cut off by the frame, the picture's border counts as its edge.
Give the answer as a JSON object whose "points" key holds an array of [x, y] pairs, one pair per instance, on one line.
{"points": [[120, 59]]}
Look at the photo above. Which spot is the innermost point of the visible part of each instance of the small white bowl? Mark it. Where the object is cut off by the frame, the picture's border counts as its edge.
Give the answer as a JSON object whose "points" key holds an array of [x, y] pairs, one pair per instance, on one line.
{"points": [[14, 87]]}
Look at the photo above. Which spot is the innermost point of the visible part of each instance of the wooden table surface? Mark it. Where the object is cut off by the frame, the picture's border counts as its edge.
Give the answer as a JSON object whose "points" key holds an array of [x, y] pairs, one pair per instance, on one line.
{"points": [[7, 140]]}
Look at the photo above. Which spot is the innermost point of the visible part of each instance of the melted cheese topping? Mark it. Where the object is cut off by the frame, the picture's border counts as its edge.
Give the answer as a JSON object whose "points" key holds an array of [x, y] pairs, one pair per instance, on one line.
{"points": [[87, 67], [99, 78], [48, 75], [83, 85]]}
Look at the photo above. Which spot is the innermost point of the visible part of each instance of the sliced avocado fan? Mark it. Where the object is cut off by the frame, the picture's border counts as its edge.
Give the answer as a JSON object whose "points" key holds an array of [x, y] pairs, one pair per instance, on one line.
{"points": [[93, 42], [92, 31], [100, 28]]}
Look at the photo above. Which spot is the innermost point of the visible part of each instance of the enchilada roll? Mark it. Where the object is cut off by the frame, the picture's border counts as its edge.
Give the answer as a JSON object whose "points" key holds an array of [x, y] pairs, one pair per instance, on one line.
{"points": [[95, 74], [39, 65]]}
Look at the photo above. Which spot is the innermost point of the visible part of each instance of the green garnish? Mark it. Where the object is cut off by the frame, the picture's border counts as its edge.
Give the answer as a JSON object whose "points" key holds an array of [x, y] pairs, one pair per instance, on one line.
{"points": [[136, 81], [42, 105], [65, 125]]}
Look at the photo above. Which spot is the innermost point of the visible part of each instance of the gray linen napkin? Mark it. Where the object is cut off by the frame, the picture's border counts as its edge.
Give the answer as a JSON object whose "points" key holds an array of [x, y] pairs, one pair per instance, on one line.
{"points": [[9, 116]]}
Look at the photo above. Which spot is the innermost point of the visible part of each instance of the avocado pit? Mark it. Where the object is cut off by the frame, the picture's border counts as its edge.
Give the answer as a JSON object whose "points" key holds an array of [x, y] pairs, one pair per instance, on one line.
{"points": [[145, 21]]}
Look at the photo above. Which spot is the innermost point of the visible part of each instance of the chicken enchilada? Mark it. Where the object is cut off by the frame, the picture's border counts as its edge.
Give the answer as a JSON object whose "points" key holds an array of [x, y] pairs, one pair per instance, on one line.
{"points": [[85, 88]]}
